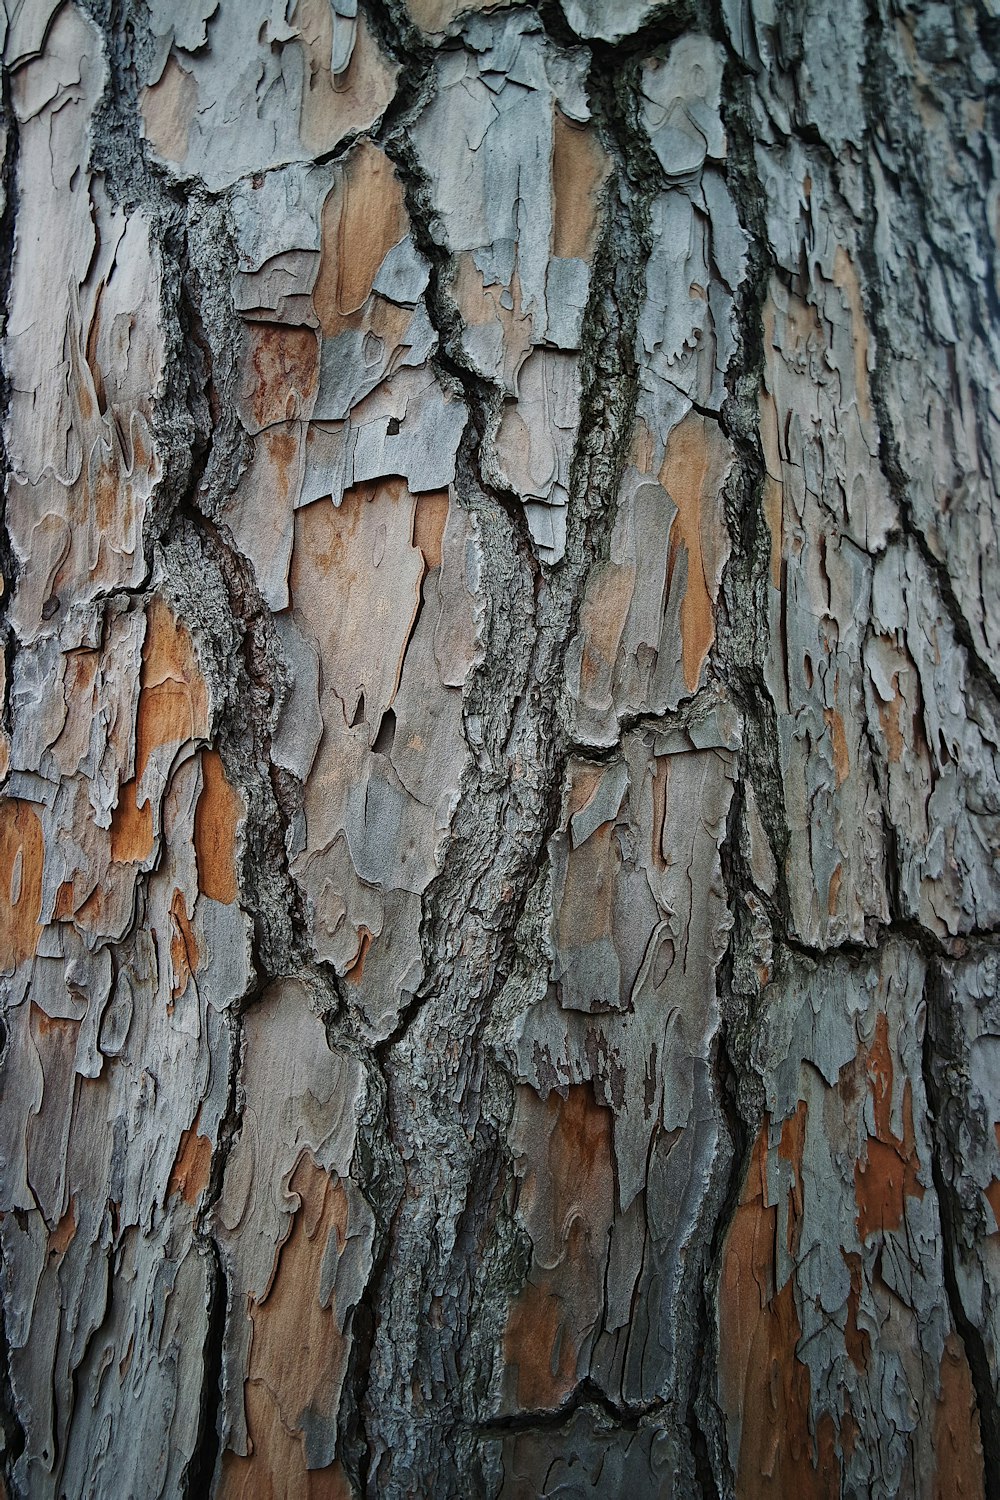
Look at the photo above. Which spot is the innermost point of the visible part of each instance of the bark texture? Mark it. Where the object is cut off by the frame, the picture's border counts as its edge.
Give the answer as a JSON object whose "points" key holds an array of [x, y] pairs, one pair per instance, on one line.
{"points": [[499, 889]]}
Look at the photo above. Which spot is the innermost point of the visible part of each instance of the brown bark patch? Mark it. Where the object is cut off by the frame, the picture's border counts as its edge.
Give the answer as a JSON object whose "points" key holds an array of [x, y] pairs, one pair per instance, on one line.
{"points": [[217, 815], [586, 909], [764, 1387], [173, 699], [890, 717], [539, 1342], [193, 1164], [364, 216], [856, 1340], [790, 1148], [131, 827], [579, 171], [355, 973], [887, 1174], [846, 278], [603, 617], [22, 857], [480, 304], [691, 474], [298, 1356], [64, 1233], [566, 1203], [841, 754], [280, 371], [168, 109], [430, 517], [957, 1440], [183, 946]]}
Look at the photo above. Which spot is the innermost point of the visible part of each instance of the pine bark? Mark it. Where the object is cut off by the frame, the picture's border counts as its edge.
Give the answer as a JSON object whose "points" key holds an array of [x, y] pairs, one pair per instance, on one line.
{"points": [[499, 819]]}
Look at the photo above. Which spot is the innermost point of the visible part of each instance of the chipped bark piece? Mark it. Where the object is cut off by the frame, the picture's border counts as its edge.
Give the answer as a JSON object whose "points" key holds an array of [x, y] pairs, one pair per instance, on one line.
{"points": [[298, 108], [364, 217], [964, 1024], [937, 735], [78, 431], [436, 15], [296, 1239], [681, 106], [298, 1354], [593, 18], [848, 1226], [815, 669]]}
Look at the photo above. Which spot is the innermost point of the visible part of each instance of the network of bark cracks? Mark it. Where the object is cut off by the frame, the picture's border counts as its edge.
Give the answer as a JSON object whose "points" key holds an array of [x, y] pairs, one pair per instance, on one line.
{"points": [[499, 961]]}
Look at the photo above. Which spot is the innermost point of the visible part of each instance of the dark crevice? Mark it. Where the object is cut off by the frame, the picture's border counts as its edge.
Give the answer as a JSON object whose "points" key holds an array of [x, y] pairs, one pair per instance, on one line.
{"points": [[741, 649], [585, 1396], [936, 1027], [196, 1481]]}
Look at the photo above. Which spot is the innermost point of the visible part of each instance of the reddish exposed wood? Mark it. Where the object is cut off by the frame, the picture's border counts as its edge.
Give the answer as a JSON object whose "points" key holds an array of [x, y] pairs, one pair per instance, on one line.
{"points": [[173, 702], [192, 1166], [957, 1443], [131, 827], [297, 1357], [566, 1200], [579, 170], [216, 818], [691, 473], [889, 1173], [281, 371], [363, 218], [183, 946], [764, 1385], [22, 855], [430, 517]]}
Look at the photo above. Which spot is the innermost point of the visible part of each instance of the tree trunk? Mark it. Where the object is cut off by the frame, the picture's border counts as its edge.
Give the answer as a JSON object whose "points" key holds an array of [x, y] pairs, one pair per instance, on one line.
{"points": [[500, 888]]}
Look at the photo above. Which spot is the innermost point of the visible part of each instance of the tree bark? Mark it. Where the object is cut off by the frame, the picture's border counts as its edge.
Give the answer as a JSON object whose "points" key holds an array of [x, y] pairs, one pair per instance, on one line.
{"points": [[499, 895]]}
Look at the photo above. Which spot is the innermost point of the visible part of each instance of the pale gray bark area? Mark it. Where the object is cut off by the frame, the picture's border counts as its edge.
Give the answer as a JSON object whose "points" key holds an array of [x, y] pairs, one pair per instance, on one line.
{"points": [[498, 927]]}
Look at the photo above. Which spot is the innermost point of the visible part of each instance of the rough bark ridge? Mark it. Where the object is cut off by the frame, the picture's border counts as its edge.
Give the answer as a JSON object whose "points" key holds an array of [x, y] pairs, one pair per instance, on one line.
{"points": [[499, 916]]}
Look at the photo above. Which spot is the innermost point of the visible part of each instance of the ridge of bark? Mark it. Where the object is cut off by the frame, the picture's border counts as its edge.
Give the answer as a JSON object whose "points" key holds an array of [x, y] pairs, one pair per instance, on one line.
{"points": [[470, 885]]}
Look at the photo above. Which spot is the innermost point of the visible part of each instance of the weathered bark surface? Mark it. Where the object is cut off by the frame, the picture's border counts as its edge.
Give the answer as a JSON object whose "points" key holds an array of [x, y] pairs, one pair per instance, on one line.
{"points": [[499, 896]]}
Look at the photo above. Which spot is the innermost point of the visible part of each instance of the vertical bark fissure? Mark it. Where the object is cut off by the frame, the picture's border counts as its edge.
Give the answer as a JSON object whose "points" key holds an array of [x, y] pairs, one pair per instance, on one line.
{"points": [[739, 655], [475, 902], [936, 1025]]}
